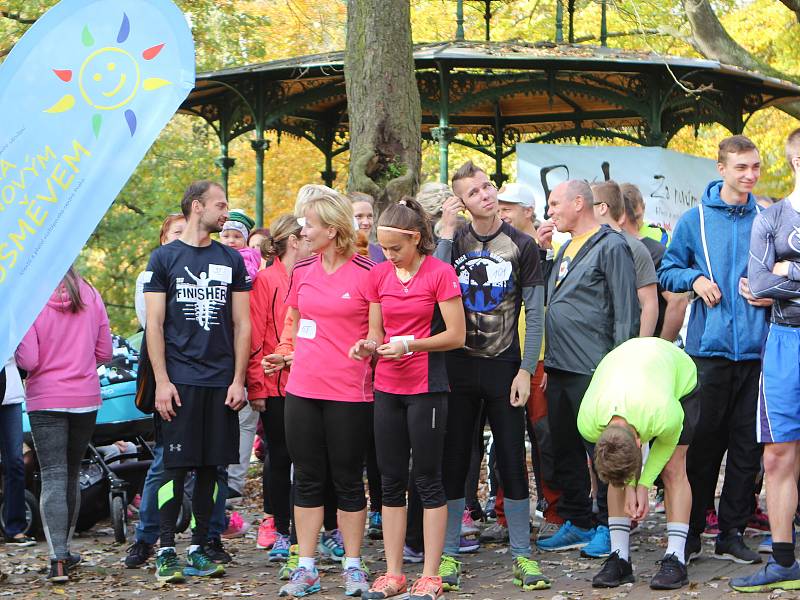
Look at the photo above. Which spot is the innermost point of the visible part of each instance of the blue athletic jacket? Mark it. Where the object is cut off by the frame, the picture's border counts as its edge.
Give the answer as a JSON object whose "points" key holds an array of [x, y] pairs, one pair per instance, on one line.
{"points": [[733, 329]]}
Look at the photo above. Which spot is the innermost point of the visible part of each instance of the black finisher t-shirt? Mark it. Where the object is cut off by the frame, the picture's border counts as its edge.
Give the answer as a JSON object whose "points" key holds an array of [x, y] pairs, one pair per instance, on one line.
{"points": [[198, 324], [492, 271]]}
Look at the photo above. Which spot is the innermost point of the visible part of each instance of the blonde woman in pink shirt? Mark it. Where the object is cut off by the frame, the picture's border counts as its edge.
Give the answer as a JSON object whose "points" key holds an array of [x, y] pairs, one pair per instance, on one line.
{"points": [[60, 352], [328, 396]]}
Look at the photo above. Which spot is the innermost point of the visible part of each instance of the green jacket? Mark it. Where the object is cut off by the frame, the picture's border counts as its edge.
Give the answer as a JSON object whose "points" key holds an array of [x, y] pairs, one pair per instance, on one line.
{"points": [[642, 381]]}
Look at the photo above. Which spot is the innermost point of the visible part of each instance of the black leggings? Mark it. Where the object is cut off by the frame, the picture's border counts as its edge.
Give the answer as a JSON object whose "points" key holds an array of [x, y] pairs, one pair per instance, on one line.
{"points": [[406, 425], [475, 382], [277, 465], [170, 500], [373, 473], [277, 474], [327, 436]]}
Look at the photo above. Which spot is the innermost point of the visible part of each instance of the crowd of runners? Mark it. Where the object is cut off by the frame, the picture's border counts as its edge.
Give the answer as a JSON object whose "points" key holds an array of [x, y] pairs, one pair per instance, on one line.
{"points": [[340, 346]]}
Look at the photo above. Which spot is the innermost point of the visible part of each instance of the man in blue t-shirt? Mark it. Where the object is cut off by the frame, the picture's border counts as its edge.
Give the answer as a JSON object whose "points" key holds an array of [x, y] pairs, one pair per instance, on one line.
{"points": [[198, 341]]}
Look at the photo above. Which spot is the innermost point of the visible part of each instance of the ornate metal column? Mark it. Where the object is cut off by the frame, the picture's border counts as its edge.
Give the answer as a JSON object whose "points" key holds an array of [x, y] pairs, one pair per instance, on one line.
{"points": [[498, 176], [460, 20], [260, 146], [444, 134], [225, 164]]}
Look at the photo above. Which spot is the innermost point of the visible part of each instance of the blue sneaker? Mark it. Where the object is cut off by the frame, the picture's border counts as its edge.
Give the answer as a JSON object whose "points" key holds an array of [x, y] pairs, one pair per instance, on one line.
{"points": [[280, 549], [600, 546], [770, 577], [568, 537], [303, 582], [765, 547], [331, 546], [375, 526]]}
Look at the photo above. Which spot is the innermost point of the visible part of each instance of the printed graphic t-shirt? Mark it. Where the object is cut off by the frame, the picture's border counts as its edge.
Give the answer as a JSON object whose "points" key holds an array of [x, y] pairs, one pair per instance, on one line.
{"points": [[492, 271], [410, 310], [571, 251], [198, 323], [334, 315]]}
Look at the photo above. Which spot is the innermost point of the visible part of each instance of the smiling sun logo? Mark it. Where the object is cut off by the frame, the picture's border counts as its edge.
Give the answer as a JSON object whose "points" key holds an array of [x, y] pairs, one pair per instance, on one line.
{"points": [[109, 79]]}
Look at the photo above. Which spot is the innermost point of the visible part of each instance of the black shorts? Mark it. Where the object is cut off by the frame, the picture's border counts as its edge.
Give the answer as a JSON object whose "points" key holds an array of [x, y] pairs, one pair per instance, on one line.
{"points": [[204, 432], [691, 416]]}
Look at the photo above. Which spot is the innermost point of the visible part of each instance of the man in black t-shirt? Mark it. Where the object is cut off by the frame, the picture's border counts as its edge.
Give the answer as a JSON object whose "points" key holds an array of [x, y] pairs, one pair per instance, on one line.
{"points": [[198, 340], [498, 268]]}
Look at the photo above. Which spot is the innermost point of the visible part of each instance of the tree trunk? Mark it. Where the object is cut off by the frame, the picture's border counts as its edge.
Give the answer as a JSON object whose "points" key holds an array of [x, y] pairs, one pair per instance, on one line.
{"points": [[383, 100], [710, 38]]}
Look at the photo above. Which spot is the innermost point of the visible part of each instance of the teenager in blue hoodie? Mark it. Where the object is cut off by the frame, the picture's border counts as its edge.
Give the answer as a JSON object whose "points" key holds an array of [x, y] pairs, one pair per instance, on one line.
{"points": [[727, 327]]}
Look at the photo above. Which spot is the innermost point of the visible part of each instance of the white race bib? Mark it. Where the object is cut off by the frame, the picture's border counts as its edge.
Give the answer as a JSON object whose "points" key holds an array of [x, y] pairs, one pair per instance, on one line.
{"points": [[307, 329], [221, 273]]}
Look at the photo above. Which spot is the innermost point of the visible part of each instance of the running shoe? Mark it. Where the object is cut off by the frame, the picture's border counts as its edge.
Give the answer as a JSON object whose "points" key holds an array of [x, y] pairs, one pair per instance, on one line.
{"points": [[712, 524], [138, 554], [489, 509], [450, 572], [267, 534], [331, 545], [658, 504], [771, 576], [387, 586], [168, 568], [758, 523], [528, 575], [237, 526], [494, 534], [411, 556], [765, 547], [285, 572], [468, 526], [73, 560], [547, 530], [672, 574], [198, 564], [600, 546], [280, 549], [356, 581], [614, 572], [375, 526], [303, 582], [216, 552], [468, 545], [59, 572], [427, 588], [568, 537], [693, 549], [731, 546], [21, 541]]}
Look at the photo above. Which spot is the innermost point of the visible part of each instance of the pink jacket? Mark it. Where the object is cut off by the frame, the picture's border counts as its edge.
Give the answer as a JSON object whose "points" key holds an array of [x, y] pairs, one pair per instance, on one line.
{"points": [[61, 352]]}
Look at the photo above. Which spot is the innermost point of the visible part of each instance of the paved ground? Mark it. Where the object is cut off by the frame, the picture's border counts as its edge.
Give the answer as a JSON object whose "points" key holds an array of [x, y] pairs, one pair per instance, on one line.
{"points": [[487, 574]]}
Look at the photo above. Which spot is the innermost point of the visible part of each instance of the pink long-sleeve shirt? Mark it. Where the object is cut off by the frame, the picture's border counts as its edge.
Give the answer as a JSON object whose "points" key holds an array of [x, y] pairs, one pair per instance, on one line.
{"points": [[61, 352]]}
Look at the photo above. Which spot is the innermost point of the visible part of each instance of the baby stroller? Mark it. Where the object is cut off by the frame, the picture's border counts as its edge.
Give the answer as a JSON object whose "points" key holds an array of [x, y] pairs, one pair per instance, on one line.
{"points": [[108, 483]]}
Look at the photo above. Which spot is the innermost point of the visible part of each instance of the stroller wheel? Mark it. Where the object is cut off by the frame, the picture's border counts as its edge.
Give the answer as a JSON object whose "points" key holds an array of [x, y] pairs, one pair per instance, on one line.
{"points": [[33, 524], [118, 519], [184, 516]]}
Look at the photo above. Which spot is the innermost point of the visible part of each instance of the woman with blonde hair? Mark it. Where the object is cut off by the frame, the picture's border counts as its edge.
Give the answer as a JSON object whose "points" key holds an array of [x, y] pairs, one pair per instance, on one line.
{"points": [[327, 410]]}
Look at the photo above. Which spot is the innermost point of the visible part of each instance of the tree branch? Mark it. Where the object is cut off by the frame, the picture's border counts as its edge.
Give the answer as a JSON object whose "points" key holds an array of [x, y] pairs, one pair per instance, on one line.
{"points": [[615, 34], [132, 207], [17, 17]]}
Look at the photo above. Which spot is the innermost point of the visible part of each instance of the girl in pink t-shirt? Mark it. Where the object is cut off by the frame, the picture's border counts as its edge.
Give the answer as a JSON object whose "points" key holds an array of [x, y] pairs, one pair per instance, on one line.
{"points": [[415, 315], [328, 396]]}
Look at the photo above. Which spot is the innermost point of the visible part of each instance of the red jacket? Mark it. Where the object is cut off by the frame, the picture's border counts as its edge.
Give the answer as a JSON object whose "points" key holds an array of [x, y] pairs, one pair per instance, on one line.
{"points": [[267, 315]]}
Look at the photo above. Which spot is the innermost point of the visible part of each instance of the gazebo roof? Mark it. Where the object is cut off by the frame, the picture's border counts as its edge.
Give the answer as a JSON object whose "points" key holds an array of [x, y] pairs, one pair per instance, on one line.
{"points": [[539, 91]]}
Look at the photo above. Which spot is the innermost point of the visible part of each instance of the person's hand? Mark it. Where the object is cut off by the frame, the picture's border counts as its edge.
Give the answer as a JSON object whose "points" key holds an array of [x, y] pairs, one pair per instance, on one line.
{"points": [[781, 268], [236, 398], [744, 291], [166, 394], [545, 234], [543, 384], [520, 389], [637, 503], [362, 349], [258, 404], [393, 350], [707, 290], [450, 209], [272, 363]]}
